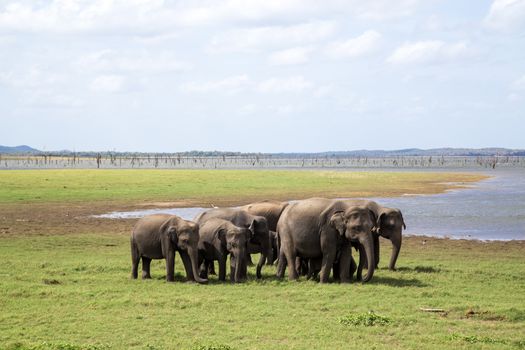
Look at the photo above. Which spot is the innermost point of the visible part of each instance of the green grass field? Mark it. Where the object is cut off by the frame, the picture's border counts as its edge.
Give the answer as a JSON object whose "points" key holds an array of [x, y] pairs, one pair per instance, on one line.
{"points": [[22, 186], [73, 290]]}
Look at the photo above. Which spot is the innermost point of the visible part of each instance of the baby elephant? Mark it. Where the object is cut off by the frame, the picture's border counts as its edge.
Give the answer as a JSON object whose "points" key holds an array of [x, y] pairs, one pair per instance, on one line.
{"points": [[218, 238], [158, 237]]}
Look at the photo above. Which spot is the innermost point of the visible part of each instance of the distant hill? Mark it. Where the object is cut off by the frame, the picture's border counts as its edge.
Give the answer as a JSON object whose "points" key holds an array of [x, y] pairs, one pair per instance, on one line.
{"points": [[416, 152], [17, 149], [409, 152]]}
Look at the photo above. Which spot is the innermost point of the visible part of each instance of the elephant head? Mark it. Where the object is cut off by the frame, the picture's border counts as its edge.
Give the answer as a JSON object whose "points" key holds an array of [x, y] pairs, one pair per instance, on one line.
{"points": [[235, 239], [356, 224], [183, 235], [390, 224]]}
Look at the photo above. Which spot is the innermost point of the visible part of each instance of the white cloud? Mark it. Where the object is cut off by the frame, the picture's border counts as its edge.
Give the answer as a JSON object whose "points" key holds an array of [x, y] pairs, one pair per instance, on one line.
{"points": [[295, 55], [230, 85], [228, 11], [293, 84], [258, 38], [50, 99], [109, 60], [238, 83], [66, 16], [358, 46], [108, 83], [34, 77], [248, 109], [513, 97], [324, 90], [519, 84], [506, 15], [380, 10], [427, 52], [285, 109], [147, 17]]}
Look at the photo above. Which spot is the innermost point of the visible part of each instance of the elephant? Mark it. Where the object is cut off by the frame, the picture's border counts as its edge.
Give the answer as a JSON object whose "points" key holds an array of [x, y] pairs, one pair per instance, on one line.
{"points": [[389, 225], [308, 267], [271, 210], [260, 240], [323, 228], [159, 236], [218, 238]]}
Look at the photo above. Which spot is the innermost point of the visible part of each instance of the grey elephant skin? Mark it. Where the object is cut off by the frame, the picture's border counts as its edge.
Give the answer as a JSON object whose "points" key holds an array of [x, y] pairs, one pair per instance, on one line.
{"points": [[159, 236], [389, 225], [271, 211], [323, 228], [218, 239], [257, 224]]}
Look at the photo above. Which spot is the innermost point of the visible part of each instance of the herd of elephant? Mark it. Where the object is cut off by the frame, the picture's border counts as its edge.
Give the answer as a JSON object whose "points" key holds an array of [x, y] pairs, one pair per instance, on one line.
{"points": [[310, 237]]}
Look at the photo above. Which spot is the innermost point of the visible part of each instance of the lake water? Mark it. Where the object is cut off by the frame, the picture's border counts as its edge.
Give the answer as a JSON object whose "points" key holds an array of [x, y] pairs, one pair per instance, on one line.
{"points": [[492, 209]]}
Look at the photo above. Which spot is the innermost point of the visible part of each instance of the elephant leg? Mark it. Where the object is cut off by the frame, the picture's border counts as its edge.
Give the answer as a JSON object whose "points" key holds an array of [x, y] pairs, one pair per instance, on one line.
{"points": [[314, 266], [298, 265], [170, 266], [187, 265], [336, 270], [146, 262], [326, 266], [290, 256], [203, 267], [244, 269], [311, 269], [211, 267], [249, 261], [301, 266], [222, 268], [260, 264], [281, 265], [344, 264], [376, 249]]}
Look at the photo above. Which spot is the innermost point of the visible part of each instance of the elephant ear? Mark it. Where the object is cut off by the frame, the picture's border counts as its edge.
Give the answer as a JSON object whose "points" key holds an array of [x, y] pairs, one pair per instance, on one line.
{"points": [[378, 221], [402, 220], [168, 227], [220, 233], [337, 221], [373, 217]]}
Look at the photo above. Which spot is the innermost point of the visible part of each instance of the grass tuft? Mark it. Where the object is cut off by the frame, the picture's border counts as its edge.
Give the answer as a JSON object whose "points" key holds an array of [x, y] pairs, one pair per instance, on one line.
{"points": [[365, 319], [56, 346], [212, 347], [473, 339]]}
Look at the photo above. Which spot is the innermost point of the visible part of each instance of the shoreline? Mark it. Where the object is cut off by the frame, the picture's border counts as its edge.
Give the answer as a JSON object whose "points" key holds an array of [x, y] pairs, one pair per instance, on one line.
{"points": [[59, 217]]}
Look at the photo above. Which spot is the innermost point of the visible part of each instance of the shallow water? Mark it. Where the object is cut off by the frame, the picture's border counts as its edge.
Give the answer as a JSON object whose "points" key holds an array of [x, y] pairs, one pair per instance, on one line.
{"points": [[493, 209]]}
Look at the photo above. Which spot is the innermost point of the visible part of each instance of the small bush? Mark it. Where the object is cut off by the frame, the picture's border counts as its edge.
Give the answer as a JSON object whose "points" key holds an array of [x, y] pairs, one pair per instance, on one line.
{"points": [[212, 347], [473, 339], [365, 319]]}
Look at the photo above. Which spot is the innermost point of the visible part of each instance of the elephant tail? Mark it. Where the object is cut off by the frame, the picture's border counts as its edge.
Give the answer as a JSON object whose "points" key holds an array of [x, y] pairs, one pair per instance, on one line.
{"points": [[135, 257]]}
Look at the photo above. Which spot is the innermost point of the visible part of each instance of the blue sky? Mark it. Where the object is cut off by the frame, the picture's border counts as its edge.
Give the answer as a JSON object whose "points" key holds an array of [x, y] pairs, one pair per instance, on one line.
{"points": [[262, 75]]}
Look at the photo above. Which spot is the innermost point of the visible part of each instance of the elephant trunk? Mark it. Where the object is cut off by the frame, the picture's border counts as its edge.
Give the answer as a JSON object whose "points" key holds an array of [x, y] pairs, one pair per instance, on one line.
{"points": [[193, 253], [396, 247], [368, 245], [238, 267]]}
